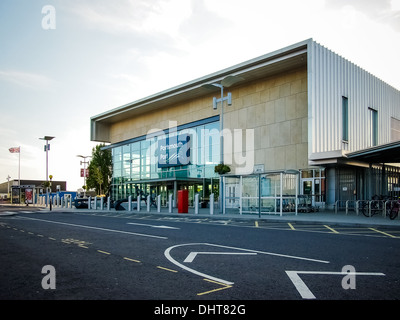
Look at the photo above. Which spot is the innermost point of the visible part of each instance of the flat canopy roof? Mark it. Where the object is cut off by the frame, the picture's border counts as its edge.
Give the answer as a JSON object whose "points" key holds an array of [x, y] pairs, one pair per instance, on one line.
{"points": [[385, 153]]}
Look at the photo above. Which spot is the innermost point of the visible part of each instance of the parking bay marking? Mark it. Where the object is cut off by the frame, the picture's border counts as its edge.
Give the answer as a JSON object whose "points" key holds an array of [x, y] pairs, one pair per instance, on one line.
{"points": [[306, 293]]}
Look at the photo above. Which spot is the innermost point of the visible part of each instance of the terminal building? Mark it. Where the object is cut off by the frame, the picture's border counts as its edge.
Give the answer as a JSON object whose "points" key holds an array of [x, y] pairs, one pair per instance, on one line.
{"points": [[301, 120]]}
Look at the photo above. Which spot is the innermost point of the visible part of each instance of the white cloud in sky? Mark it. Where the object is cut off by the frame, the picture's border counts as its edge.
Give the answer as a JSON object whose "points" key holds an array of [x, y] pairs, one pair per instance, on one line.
{"points": [[104, 54], [25, 79]]}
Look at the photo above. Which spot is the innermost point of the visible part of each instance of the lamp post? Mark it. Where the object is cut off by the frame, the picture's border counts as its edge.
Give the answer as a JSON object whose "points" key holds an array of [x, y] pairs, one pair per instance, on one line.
{"points": [[84, 171], [8, 186], [46, 149], [226, 82]]}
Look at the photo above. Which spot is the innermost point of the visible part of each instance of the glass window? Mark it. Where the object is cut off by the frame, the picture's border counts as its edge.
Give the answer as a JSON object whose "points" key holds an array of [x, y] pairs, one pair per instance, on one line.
{"points": [[345, 119], [374, 126], [307, 174], [138, 160]]}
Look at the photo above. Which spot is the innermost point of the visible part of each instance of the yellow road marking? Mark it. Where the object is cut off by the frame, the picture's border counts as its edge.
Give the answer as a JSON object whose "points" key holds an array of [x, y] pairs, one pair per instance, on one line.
{"points": [[82, 246], [291, 227], [224, 286], [105, 252], [52, 238], [129, 259], [170, 270], [333, 230], [386, 234]]}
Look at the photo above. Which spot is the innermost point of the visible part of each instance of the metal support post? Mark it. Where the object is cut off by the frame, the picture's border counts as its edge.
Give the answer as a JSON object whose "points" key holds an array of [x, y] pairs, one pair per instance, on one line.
{"points": [[196, 203]]}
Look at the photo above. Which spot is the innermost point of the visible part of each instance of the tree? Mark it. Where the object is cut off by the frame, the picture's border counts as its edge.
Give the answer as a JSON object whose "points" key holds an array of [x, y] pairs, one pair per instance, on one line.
{"points": [[222, 169], [100, 169]]}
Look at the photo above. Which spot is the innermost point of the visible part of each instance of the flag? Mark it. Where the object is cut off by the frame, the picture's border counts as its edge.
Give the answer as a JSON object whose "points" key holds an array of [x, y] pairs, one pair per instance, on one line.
{"points": [[14, 150]]}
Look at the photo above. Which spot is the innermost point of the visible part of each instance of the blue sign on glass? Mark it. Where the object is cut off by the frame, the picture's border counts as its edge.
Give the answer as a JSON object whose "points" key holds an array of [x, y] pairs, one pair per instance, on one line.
{"points": [[174, 151]]}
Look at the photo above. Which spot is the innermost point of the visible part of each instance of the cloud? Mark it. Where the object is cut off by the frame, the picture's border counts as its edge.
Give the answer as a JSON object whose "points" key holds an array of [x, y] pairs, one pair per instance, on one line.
{"points": [[381, 11], [132, 16], [203, 23], [26, 79]]}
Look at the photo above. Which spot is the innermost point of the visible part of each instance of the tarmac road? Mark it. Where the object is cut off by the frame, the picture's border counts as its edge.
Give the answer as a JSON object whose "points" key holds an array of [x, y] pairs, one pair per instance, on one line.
{"points": [[161, 258]]}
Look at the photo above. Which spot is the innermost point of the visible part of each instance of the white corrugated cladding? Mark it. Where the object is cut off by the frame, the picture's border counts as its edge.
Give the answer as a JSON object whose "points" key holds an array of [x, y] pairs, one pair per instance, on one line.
{"points": [[329, 78]]}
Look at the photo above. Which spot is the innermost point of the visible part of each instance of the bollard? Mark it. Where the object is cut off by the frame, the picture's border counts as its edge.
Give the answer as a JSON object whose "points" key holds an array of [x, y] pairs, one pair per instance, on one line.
{"points": [[101, 203], [108, 203], [159, 203], [89, 205], [211, 203], [95, 203], [138, 199], [196, 203], [170, 203], [130, 203], [148, 203]]}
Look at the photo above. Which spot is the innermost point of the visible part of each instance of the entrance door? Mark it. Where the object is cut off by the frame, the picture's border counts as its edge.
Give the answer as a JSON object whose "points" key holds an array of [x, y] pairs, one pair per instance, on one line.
{"points": [[313, 185], [308, 189]]}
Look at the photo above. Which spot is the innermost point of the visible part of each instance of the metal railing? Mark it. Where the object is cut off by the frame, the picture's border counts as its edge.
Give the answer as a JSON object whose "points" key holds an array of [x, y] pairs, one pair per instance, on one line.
{"points": [[347, 205], [382, 206]]}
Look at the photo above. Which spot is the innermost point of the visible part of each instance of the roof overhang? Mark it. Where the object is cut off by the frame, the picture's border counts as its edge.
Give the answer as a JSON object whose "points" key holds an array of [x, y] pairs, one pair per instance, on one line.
{"points": [[385, 153], [289, 58]]}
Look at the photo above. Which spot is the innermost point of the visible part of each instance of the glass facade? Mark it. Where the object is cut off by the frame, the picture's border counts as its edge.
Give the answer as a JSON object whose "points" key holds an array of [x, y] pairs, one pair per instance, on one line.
{"points": [[138, 169]]}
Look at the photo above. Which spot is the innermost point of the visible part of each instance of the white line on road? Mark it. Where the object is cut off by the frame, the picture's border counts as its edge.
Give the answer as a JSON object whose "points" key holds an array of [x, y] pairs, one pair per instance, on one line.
{"points": [[153, 226], [269, 253], [193, 254], [306, 293], [97, 228], [167, 254]]}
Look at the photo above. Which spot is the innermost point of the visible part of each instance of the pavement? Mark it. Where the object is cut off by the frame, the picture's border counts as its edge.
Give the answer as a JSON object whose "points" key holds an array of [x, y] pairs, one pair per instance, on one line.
{"points": [[323, 216]]}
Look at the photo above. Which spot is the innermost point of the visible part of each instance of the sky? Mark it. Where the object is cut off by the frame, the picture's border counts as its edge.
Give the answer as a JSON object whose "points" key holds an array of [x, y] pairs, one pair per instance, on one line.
{"points": [[63, 65]]}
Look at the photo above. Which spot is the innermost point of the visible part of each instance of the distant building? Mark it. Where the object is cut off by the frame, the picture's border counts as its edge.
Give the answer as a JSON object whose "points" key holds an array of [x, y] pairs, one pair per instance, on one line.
{"points": [[312, 112], [19, 191]]}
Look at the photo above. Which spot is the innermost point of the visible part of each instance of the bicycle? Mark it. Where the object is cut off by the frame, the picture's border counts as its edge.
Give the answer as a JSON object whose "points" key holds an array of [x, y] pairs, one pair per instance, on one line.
{"points": [[376, 204], [394, 210]]}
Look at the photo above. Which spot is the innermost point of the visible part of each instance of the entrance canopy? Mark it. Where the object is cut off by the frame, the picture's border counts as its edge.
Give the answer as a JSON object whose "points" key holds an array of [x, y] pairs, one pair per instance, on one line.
{"points": [[385, 153]]}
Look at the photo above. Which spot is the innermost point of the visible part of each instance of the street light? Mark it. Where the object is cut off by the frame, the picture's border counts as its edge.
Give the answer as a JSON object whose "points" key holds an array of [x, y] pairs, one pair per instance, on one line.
{"points": [[47, 148], [84, 171], [226, 82]]}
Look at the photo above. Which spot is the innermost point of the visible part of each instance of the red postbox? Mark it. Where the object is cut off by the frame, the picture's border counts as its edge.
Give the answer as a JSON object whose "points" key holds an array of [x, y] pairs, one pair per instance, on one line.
{"points": [[183, 201]]}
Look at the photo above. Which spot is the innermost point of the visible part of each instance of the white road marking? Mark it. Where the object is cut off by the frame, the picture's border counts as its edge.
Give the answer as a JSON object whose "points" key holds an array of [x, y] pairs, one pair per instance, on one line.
{"points": [[7, 213], [193, 254], [269, 253], [97, 228], [153, 226], [306, 293], [167, 254]]}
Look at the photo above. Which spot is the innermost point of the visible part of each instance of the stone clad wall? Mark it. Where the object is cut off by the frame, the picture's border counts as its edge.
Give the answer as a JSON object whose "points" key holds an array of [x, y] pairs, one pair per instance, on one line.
{"points": [[275, 107]]}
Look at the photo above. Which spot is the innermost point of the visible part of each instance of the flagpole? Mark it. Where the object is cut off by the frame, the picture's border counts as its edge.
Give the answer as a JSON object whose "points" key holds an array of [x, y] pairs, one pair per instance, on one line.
{"points": [[19, 166]]}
